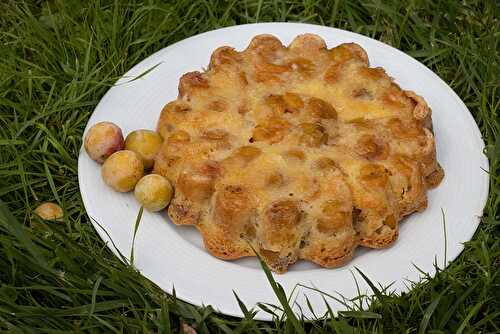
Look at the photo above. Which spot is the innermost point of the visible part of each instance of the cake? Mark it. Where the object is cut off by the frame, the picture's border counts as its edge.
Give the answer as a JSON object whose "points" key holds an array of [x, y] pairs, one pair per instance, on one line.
{"points": [[295, 152]]}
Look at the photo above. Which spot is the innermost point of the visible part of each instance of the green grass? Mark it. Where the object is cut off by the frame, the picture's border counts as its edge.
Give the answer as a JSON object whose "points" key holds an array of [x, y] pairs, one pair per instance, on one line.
{"points": [[58, 58]]}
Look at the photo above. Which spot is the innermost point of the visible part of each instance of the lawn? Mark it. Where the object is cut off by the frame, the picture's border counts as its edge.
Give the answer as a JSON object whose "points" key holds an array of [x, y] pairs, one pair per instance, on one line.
{"points": [[58, 58]]}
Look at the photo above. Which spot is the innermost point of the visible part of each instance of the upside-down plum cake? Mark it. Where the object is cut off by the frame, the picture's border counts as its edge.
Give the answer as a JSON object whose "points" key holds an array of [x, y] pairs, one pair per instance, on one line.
{"points": [[295, 152]]}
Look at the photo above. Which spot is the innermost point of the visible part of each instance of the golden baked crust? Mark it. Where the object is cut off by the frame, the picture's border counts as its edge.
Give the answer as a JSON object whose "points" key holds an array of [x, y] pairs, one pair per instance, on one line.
{"points": [[297, 152]]}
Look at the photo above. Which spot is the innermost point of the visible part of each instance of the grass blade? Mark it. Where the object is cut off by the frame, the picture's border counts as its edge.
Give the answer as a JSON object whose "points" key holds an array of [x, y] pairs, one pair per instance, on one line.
{"points": [[428, 313], [280, 293], [136, 227]]}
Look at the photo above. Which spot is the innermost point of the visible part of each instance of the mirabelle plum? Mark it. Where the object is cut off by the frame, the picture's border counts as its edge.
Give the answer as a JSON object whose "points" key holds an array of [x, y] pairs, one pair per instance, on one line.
{"points": [[122, 170], [313, 135], [49, 211], [102, 140], [146, 144], [154, 192]]}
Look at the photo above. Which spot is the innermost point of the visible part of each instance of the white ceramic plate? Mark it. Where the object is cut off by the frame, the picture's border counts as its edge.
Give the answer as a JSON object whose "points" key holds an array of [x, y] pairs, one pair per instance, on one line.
{"points": [[172, 256]]}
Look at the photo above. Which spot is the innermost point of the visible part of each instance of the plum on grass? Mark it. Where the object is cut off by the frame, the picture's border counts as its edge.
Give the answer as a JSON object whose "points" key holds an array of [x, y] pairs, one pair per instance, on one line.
{"points": [[49, 211]]}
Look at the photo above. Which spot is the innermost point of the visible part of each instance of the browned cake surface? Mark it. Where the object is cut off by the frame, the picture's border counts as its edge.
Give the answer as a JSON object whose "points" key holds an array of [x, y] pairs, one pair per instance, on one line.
{"points": [[301, 152]]}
